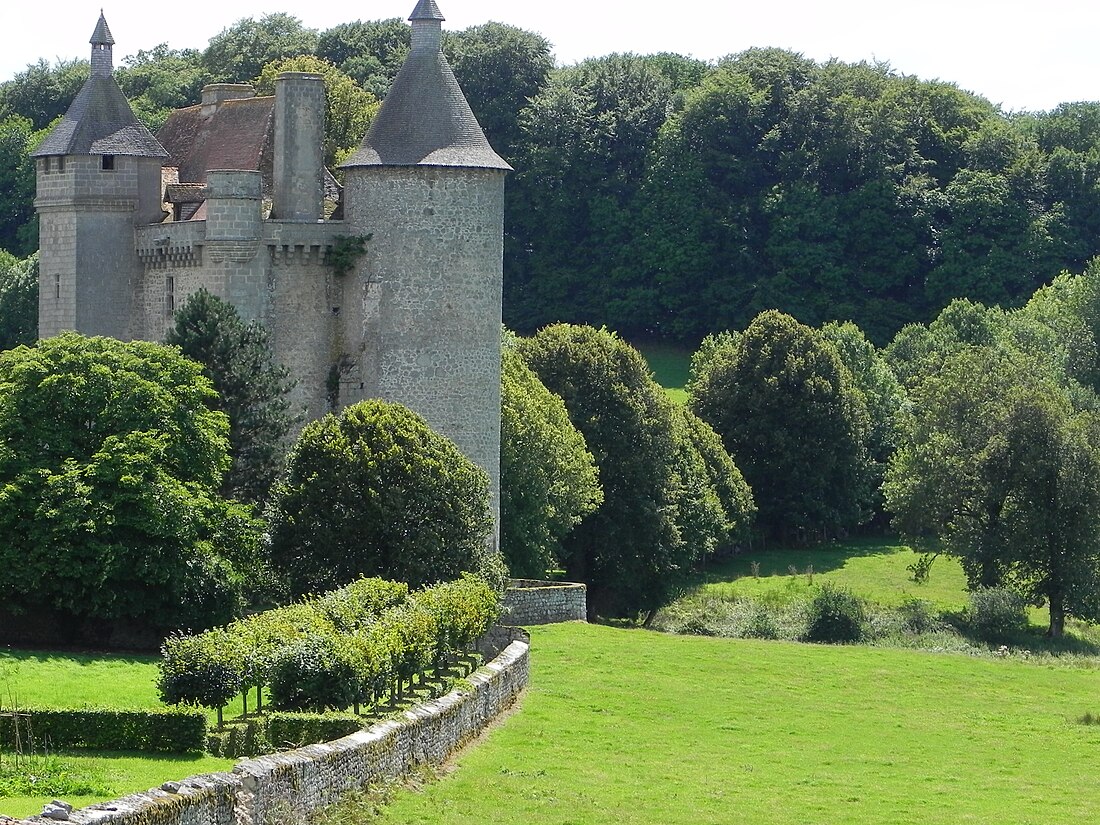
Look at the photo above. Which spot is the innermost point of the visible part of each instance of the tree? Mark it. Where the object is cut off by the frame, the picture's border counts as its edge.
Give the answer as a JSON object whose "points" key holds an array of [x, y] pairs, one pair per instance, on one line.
{"points": [[239, 52], [348, 109], [18, 221], [159, 80], [548, 478], [110, 460], [500, 68], [1001, 471], [374, 491], [42, 93], [787, 412], [659, 513], [370, 53], [251, 389], [18, 300]]}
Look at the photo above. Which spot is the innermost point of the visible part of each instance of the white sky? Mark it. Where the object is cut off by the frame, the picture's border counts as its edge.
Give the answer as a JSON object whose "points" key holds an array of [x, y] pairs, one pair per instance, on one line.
{"points": [[1023, 55]]}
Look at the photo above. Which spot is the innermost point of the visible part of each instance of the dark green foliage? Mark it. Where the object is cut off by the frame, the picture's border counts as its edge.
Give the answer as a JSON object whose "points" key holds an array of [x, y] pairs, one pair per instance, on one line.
{"points": [[371, 52], [43, 93], [786, 410], [292, 730], [18, 221], [835, 616], [18, 300], [499, 68], [346, 251], [252, 389], [172, 730], [314, 673], [240, 52], [548, 478], [660, 511], [109, 463], [374, 491], [160, 80], [996, 614]]}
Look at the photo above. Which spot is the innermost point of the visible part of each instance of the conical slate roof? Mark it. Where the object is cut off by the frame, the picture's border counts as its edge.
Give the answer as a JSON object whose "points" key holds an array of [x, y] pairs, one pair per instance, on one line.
{"points": [[425, 119], [100, 120]]}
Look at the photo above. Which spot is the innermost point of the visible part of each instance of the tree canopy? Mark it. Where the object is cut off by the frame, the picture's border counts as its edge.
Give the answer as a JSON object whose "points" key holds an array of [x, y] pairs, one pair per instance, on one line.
{"points": [[110, 460]]}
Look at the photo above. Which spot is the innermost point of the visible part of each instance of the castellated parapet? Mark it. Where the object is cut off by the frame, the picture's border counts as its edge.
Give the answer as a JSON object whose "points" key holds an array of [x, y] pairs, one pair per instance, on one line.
{"points": [[233, 201]]}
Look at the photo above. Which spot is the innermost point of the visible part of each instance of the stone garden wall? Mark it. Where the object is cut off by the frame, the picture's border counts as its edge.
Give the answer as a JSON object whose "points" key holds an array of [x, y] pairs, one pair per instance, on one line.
{"points": [[531, 601], [283, 788]]}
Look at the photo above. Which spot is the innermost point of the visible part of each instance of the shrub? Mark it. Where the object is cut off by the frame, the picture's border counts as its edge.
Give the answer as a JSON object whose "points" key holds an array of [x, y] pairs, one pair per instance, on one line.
{"points": [[292, 730], [315, 673], [374, 491], [835, 615], [203, 670], [760, 623], [996, 613], [173, 730], [919, 616]]}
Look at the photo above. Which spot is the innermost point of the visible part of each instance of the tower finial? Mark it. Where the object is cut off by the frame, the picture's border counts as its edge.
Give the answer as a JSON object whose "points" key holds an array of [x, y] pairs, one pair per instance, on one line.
{"points": [[427, 30], [102, 41]]}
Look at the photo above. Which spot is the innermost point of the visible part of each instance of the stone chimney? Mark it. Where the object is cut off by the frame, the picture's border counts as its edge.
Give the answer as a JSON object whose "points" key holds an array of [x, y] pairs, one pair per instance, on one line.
{"points": [[299, 138]]}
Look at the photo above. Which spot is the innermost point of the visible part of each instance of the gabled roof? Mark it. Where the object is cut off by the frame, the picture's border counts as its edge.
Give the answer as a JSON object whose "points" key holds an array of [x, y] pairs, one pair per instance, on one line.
{"points": [[425, 119], [100, 122], [238, 135]]}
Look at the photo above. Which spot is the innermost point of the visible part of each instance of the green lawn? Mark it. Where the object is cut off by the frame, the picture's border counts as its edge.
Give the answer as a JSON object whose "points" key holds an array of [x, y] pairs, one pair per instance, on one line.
{"points": [[631, 727], [73, 680], [671, 367], [875, 569]]}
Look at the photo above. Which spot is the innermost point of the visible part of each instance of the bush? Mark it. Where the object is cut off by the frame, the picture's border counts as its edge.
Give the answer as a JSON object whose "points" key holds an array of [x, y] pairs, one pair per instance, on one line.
{"points": [[919, 616], [760, 623], [835, 615], [374, 491], [315, 673], [996, 613], [203, 670], [171, 730], [292, 730]]}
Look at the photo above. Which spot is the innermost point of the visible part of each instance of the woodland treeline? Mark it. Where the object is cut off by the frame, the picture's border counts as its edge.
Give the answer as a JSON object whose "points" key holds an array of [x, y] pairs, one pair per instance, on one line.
{"points": [[668, 197]]}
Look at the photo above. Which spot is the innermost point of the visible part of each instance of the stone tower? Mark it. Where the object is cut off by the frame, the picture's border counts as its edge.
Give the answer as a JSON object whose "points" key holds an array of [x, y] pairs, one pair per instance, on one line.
{"points": [[98, 176], [428, 187]]}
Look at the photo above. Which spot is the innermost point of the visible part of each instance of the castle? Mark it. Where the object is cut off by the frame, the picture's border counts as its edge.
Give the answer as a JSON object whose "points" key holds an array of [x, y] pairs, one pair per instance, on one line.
{"points": [[236, 204]]}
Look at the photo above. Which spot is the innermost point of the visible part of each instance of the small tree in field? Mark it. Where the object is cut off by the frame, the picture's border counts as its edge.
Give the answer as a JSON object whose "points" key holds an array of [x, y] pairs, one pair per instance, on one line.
{"points": [[252, 389], [375, 492]]}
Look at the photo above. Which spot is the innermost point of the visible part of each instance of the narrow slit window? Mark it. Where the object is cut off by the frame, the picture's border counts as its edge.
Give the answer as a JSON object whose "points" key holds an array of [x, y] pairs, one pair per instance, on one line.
{"points": [[57, 286], [170, 294], [60, 163]]}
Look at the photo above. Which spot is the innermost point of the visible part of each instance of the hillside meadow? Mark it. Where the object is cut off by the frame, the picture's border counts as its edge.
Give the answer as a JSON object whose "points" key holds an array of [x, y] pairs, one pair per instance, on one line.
{"points": [[628, 726]]}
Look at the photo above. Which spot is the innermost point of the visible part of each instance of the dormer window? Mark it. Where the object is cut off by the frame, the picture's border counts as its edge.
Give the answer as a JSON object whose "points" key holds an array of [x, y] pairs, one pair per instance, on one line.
{"points": [[108, 163]]}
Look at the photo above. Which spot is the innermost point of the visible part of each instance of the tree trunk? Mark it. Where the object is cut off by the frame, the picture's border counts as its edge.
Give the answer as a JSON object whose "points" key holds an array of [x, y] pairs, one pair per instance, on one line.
{"points": [[1057, 617]]}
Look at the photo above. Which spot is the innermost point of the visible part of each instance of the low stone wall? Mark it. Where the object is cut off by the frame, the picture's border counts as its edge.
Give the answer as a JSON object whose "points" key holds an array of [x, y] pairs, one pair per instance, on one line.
{"points": [[285, 787], [532, 601]]}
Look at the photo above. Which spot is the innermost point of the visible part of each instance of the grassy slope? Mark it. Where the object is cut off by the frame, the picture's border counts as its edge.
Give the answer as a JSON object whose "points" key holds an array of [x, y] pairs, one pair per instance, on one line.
{"points": [[626, 726], [671, 367]]}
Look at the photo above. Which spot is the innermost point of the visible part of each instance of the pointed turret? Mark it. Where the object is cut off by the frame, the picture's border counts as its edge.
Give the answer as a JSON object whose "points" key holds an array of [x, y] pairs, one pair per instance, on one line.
{"points": [[100, 120], [425, 119]]}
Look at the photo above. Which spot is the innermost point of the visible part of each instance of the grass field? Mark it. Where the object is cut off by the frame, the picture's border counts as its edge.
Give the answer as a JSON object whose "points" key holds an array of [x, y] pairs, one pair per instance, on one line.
{"points": [[874, 569], [72, 680], [629, 727], [671, 367]]}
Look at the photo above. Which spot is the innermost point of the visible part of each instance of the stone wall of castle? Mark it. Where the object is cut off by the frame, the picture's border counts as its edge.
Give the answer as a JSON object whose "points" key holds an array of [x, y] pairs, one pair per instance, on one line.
{"points": [[431, 287], [532, 601]]}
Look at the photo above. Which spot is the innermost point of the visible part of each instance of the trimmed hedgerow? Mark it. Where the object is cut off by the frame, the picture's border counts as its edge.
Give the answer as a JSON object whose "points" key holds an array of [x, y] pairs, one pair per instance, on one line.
{"points": [[172, 730]]}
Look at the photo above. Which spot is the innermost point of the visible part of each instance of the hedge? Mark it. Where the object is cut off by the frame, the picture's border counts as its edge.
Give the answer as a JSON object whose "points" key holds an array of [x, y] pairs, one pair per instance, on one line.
{"points": [[171, 730]]}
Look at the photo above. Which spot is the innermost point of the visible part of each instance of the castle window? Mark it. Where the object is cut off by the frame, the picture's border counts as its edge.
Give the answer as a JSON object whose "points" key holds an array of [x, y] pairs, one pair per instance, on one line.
{"points": [[60, 163], [108, 163], [57, 286], [170, 294], [46, 164]]}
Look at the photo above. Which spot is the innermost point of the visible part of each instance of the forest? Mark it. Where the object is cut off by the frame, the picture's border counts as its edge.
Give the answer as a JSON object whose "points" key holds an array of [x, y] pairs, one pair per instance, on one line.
{"points": [[669, 198]]}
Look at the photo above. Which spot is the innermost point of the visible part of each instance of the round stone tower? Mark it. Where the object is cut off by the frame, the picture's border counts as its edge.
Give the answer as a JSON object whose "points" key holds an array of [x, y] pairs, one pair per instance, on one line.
{"points": [[428, 188], [99, 176]]}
